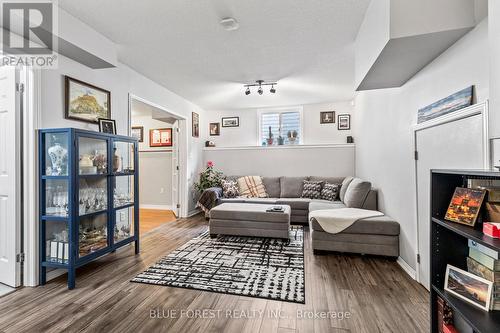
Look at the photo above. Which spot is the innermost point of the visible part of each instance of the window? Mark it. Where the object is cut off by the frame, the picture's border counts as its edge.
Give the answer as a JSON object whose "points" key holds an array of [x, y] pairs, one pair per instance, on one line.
{"points": [[280, 127]]}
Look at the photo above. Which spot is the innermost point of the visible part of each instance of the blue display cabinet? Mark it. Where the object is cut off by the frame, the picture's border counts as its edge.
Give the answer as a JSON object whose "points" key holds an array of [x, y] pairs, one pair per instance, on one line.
{"points": [[89, 204]]}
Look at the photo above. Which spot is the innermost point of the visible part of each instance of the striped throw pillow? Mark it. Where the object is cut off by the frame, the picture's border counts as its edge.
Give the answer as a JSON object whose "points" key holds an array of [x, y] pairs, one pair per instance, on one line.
{"points": [[252, 187]]}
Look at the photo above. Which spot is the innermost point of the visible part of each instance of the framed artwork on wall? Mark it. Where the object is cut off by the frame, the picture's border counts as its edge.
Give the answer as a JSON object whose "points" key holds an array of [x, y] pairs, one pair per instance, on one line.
{"points": [[107, 126], [214, 129], [327, 117], [161, 137], [231, 122], [138, 133], [86, 102], [457, 101], [195, 124], [344, 122]]}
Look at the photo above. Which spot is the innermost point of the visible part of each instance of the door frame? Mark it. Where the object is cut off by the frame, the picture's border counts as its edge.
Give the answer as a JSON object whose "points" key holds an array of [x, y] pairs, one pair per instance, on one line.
{"points": [[473, 110], [182, 149]]}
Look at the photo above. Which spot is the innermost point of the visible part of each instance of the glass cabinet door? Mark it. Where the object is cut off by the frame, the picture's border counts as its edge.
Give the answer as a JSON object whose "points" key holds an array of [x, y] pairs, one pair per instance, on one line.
{"points": [[124, 191], [56, 242], [124, 224], [93, 195], [92, 234], [56, 197], [56, 154], [123, 157], [93, 156]]}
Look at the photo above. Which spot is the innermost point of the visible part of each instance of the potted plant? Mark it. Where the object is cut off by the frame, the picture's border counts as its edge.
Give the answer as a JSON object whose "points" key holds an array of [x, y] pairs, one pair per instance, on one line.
{"points": [[209, 178], [281, 140]]}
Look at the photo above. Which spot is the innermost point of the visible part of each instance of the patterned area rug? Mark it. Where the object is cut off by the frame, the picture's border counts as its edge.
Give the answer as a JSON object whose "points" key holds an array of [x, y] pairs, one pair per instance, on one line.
{"points": [[249, 266]]}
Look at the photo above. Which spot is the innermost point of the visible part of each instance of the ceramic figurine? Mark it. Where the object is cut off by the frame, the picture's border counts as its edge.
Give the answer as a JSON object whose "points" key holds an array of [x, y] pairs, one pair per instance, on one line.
{"points": [[59, 159]]}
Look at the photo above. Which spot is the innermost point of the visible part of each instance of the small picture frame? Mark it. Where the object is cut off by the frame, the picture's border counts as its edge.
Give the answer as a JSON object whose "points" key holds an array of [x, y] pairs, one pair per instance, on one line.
{"points": [[468, 287], [327, 117], [160, 137], [465, 206], [138, 133], [107, 125], [214, 129], [344, 122], [231, 122], [195, 129]]}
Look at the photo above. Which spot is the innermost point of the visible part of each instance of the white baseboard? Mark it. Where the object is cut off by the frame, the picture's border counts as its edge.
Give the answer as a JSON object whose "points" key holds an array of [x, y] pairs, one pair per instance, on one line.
{"points": [[407, 268], [194, 212], [160, 207]]}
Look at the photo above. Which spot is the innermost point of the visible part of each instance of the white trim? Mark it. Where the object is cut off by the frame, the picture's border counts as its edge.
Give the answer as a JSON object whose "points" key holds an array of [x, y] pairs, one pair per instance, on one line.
{"points": [[260, 112], [31, 123], [476, 109], [193, 212], [407, 268], [160, 207], [339, 145]]}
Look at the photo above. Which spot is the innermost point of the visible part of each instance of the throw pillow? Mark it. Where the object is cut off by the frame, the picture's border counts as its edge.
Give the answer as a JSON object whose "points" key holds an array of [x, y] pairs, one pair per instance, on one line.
{"points": [[330, 191], [252, 187], [229, 188], [312, 189]]}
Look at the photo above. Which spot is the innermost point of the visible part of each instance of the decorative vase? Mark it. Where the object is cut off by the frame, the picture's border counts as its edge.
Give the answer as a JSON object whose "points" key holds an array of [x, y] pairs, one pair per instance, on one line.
{"points": [[270, 141], [281, 141], [59, 159]]}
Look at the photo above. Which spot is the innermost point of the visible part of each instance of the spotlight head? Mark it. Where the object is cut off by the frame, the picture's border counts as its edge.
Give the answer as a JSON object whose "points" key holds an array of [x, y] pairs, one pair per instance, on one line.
{"points": [[260, 91], [272, 90], [247, 92]]}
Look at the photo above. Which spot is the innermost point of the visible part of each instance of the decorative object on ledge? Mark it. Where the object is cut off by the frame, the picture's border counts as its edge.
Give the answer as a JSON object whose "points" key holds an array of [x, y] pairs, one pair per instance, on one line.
{"points": [[195, 125], [327, 117], [86, 102], [260, 83], [465, 206], [107, 126], [138, 133], [344, 122], [468, 287], [209, 144], [161, 137], [88, 209], [270, 139], [231, 122], [350, 139], [214, 129], [292, 136], [454, 102]]}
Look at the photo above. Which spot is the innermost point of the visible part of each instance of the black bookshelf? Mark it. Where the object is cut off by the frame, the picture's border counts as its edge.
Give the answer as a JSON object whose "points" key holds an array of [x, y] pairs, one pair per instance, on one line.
{"points": [[449, 245]]}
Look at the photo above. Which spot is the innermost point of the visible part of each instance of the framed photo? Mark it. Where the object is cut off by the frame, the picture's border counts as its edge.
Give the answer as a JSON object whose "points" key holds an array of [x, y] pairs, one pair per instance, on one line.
{"points": [[214, 129], [161, 137], [107, 126], [327, 117], [344, 122], [452, 103], [469, 287], [138, 133], [195, 124], [231, 122], [86, 102], [465, 206]]}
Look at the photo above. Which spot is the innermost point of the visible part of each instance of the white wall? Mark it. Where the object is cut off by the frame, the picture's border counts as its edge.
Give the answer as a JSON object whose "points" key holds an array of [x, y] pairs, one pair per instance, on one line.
{"points": [[384, 154], [494, 38], [328, 161], [155, 167], [120, 81], [247, 133]]}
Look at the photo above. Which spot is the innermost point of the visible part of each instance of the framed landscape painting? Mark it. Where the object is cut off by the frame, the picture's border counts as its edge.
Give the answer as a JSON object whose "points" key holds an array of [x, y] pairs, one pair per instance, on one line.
{"points": [[468, 287], [457, 101], [86, 102]]}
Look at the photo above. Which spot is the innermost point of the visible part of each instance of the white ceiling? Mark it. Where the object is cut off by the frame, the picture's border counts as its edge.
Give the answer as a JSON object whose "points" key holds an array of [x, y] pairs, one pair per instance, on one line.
{"points": [[305, 45]]}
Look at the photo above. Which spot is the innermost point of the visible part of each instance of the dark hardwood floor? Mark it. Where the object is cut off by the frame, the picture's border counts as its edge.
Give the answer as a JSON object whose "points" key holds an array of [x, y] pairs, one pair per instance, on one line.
{"points": [[375, 293]]}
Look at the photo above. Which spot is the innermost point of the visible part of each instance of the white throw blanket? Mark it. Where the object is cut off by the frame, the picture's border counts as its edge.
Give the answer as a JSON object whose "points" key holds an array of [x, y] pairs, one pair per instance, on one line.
{"points": [[336, 220]]}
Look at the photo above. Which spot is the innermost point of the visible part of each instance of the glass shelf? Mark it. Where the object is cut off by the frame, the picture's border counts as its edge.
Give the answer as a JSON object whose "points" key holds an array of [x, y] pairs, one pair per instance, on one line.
{"points": [[56, 154], [124, 225], [123, 193], [123, 157], [56, 197], [93, 195], [93, 156], [56, 242], [92, 234]]}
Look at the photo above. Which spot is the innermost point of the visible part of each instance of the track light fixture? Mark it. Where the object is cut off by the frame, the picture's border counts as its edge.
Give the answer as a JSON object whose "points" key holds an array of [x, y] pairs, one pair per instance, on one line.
{"points": [[260, 83]]}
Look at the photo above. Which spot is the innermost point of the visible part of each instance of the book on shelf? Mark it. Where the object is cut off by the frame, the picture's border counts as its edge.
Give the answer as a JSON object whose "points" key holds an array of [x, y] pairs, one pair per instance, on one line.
{"points": [[484, 249], [484, 259], [481, 270]]}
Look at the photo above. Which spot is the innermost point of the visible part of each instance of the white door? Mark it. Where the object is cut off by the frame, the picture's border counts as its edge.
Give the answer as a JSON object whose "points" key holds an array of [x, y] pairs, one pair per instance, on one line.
{"points": [[10, 185], [175, 169], [455, 145]]}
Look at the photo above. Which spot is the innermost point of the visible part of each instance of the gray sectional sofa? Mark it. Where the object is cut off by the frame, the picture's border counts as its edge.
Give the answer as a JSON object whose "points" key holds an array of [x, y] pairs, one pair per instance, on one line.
{"points": [[288, 191]]}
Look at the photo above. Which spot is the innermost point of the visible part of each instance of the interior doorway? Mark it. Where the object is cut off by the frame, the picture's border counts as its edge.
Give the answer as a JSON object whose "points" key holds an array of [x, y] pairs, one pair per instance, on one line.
{"points": [[158, 131]]}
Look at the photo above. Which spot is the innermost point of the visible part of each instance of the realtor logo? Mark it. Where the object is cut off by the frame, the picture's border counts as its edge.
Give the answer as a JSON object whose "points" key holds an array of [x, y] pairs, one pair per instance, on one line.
{"points": [[28, 33]]}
